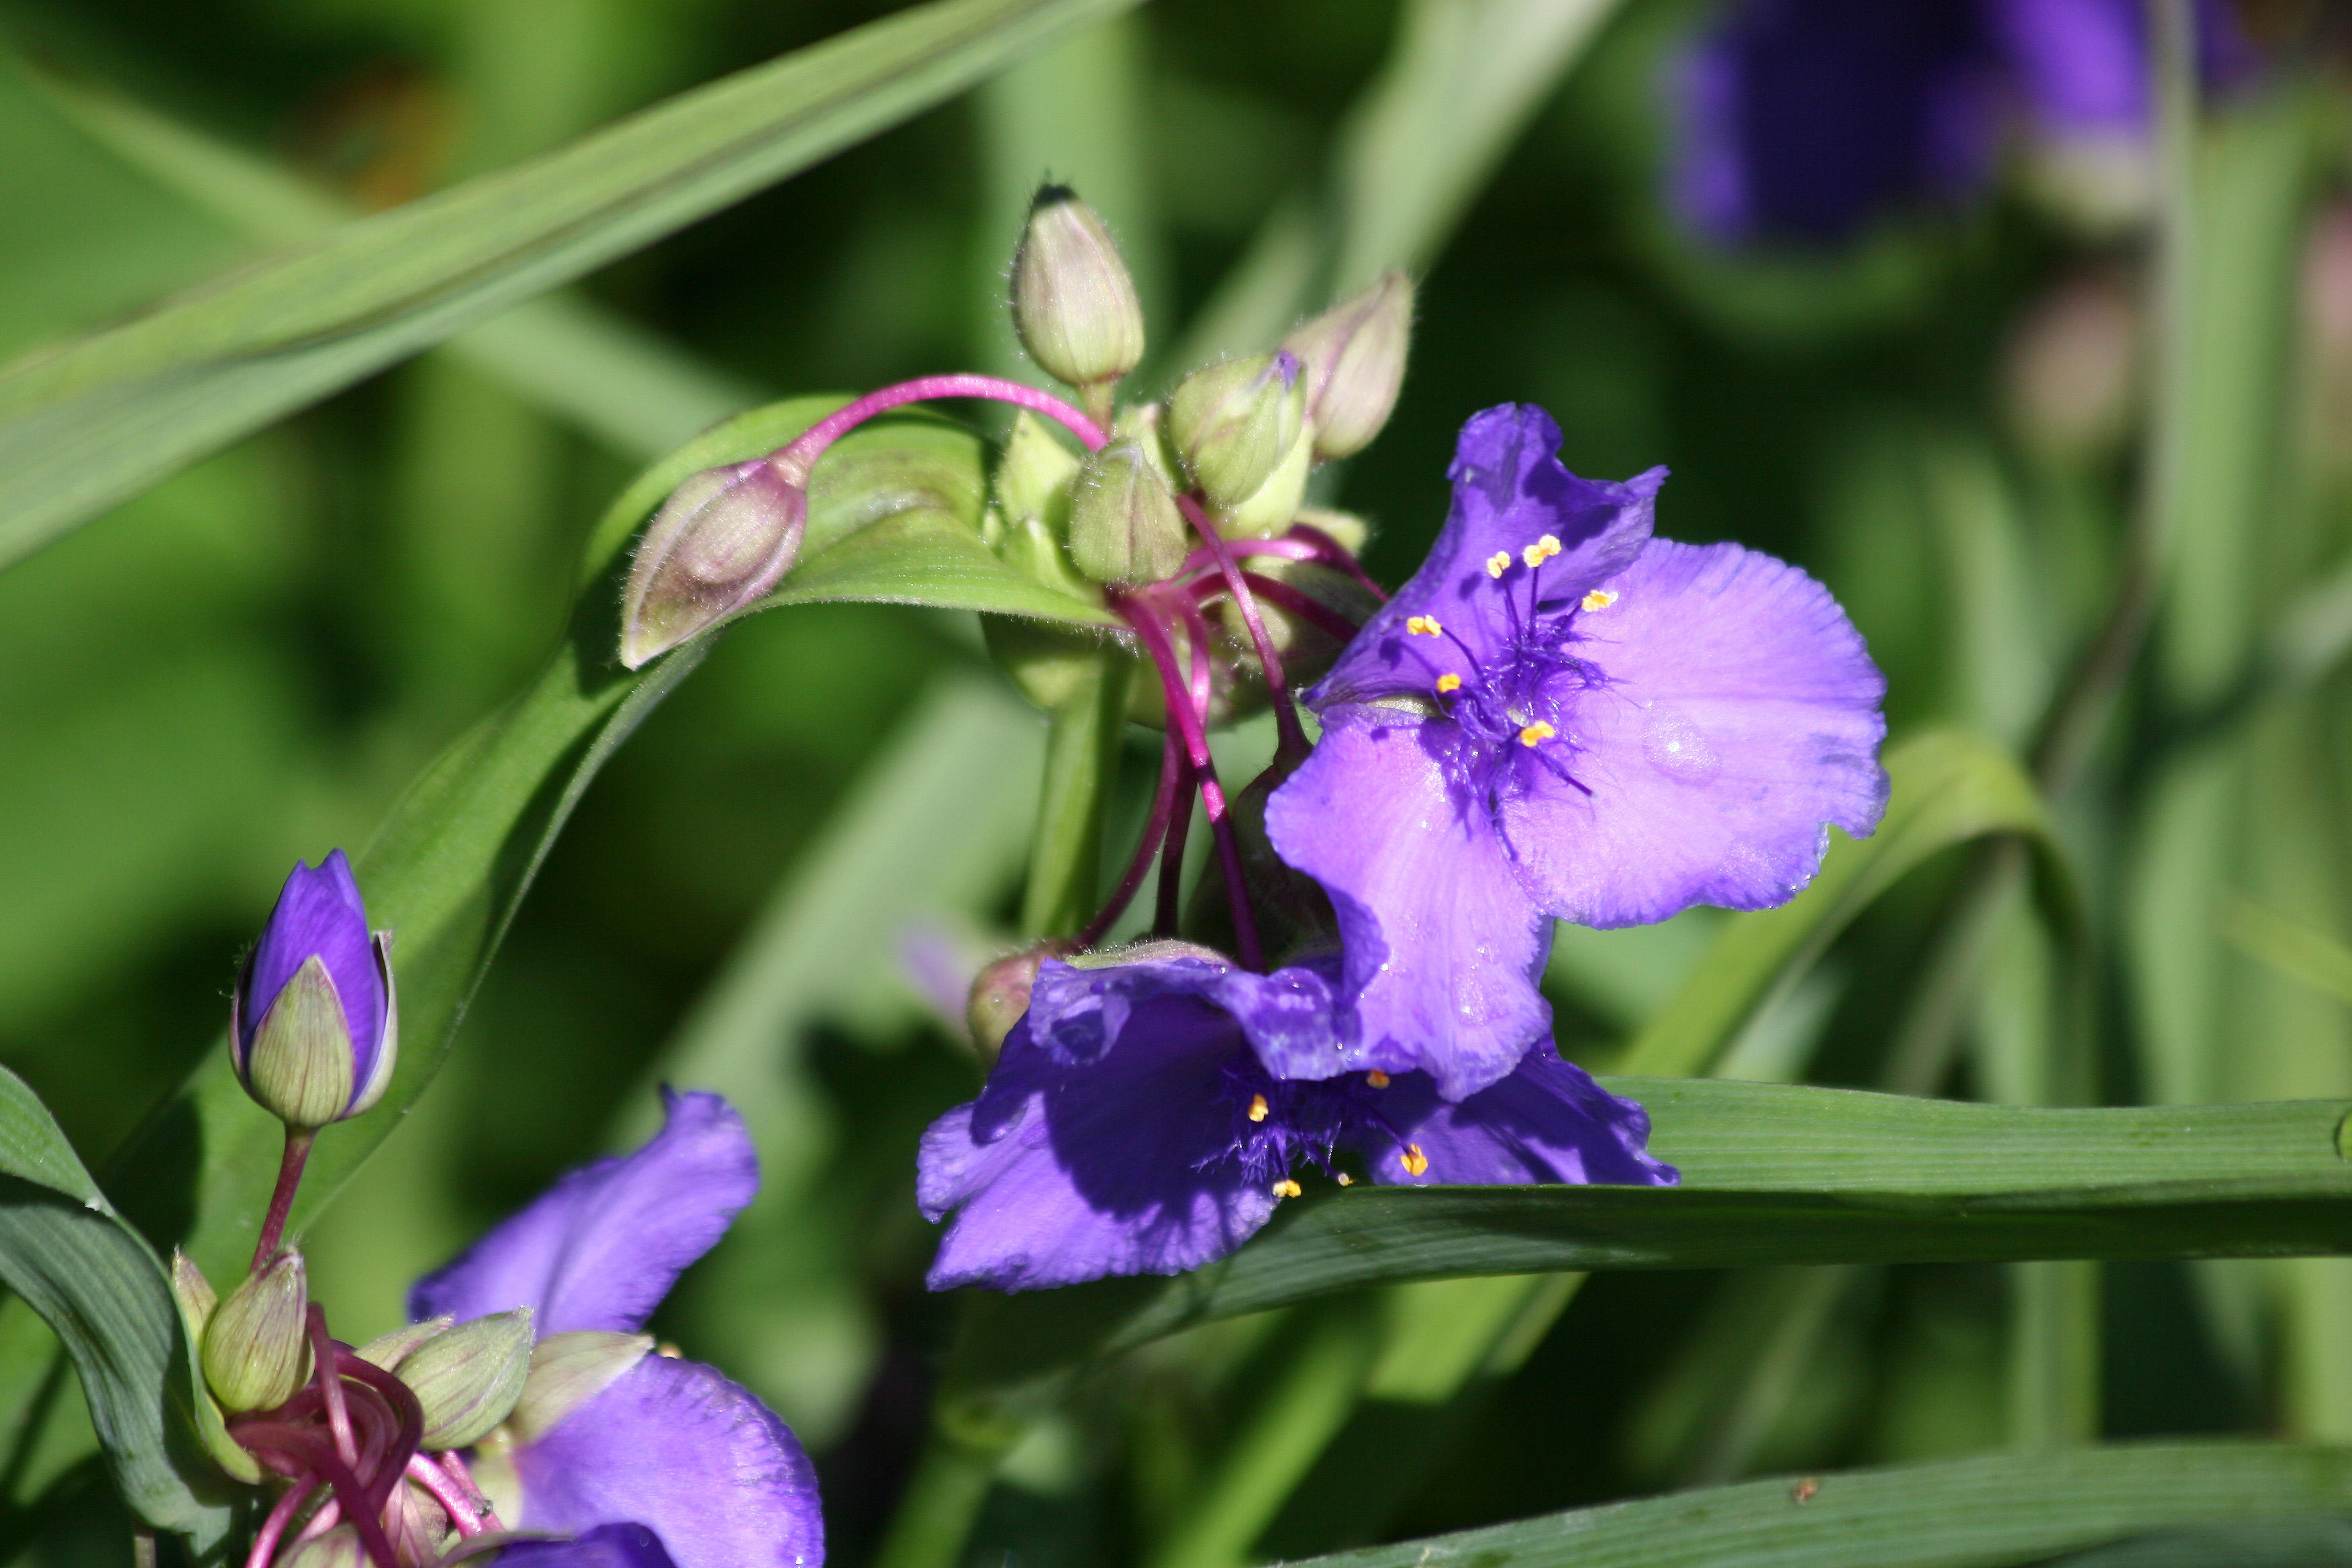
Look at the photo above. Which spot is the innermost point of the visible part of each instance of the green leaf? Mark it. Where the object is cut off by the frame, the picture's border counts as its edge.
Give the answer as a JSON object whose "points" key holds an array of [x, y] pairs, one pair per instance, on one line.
{"points": [[69, 1258], [1961, 1513], [86, 424], [1771, 1173], [1947, 788]]}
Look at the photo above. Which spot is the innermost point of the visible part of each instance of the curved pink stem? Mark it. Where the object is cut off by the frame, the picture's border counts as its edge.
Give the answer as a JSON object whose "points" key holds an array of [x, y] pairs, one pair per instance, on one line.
{"points": [[1292, 745], [797, 457], [1331, 552], [264, 1545], [330, 1386], [454, 1502], [1155, 830], [281, 1197], [464, 1478]]}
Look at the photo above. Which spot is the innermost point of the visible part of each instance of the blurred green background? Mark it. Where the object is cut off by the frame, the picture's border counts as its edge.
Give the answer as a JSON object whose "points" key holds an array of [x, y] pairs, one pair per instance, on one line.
{"points": [[246, 664]]}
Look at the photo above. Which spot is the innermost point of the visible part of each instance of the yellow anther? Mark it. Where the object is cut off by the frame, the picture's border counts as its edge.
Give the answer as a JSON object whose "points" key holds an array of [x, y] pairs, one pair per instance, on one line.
{"points": [[1257, 1108], [1424, 626], [1376, 1079], [1600, 598], [1537, 733], [1498, 562], [1541, 551], [1287, 1188], [1344, 1179], [1413, 1160], [1449, 681]]}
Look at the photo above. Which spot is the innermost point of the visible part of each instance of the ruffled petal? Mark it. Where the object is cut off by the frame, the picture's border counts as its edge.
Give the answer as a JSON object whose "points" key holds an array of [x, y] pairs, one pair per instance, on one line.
{"points": [[1060, 1172], [1510, 489], [1442, 946], [601, 1247], [674, 1447], [607, 1546], [1740, 716], [1547, 1122]]}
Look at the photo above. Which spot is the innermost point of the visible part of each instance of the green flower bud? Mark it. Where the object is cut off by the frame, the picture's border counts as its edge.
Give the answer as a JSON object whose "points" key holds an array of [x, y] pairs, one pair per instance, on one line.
{"points": [[338, 1548], [721, 541], [1233, 423], [569, 1370], [257, 1347], [1124, 524], [1273, 505], [1074, 305], [468, 1378], [196, 1295], [1000, 995], [386, 1350], [1353, 354], [1034, 477]]}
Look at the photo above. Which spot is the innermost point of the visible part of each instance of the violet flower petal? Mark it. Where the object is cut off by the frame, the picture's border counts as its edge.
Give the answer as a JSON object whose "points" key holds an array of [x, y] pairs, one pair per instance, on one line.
{"points": [[1740, 714], [607, 1546], [601, 1247], [674, 1447], [1547, 1122], [319, 911]]}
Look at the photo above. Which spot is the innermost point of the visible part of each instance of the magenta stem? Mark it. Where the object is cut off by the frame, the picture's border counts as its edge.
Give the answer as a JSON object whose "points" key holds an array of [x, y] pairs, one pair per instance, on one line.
{"points": [[1169, 908], [1291, 600], [281, 1200], [464, 1481], [1181, 713], [264, 1545], [454, 1502], [797, 457], [406, 1411], [330, 1386], [1291, 746], [1332, 551], [326, 1519], [1155, 828], [321, 1460]]}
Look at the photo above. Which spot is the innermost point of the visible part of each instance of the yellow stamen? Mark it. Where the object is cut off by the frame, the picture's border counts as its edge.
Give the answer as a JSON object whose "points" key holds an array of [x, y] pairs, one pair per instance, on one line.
{"points": [[1537, 733], [1498, 562], [1287, 1188], [1413, 1160], [1344, 1179], [1257, 1108], [1449, 681], [1424, 626], [1541, 551], [1376, 1079], [1600, 598]]}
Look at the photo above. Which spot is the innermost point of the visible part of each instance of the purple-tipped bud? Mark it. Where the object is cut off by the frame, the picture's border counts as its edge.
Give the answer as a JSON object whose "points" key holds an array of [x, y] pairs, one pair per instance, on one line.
{"points": [[1233, 423], [314, 1026], [1124, 525], [720, 544], [1354, 358], [1074, 304]]}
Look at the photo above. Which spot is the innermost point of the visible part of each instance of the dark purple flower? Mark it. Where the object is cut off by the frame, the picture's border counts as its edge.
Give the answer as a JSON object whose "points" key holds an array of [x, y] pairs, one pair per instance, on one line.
{"points": [[607, 1546], [1807, 119], [669, 1444], [317, 998], [1560, 716], [1131, 1125]]}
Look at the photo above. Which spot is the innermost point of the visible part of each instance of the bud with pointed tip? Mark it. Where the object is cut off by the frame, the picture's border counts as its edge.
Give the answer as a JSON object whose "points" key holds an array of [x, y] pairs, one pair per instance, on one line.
{"points": [[468, 1379], [720, 544], [257, 1346], [1074, 304], [567, 1371], [1233, 423], [1124, 525], [386, 1349], [1353, 354], [1033, 476], [196, 1297], [314, 1023]]}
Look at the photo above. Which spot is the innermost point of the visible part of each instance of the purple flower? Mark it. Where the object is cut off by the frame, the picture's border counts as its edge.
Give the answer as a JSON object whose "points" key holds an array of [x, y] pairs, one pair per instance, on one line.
{"points": [[1131, 1125], [1560, 716], [667, 1445], [607, 1546], [1807, 119], [313, 1026]]}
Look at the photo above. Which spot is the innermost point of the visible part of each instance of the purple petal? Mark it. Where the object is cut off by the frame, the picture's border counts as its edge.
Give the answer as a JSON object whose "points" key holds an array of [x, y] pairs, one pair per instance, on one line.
{"points": [[1740, 715], [674, 1447], [601, 1247], [2083, 64], [1063, 1172], [1547, 1122], [319, 911], [1443, 945], [607, 1546], [1510, 489]]}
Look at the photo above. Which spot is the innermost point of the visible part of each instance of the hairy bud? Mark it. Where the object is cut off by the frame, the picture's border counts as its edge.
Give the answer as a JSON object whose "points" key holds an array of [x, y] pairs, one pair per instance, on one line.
{"points": [[257, 1347], [468, 1378], [721, 541], [1124, 524], [1353, 355], [1233, 423], [1074, 304]]}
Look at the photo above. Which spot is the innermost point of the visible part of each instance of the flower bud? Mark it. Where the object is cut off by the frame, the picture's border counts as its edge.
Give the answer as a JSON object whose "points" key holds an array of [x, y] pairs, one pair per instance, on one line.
{"points": [[256, 1348], [567, 1371], [1124, 525], [1000, 995], [1033, 477], [386, 1350], [195, 1293], [1235, 422], [1074, 305], [1353, 354], [722, 541], [338, 1548], [1270, 508], [468, 1378], [314, 1025]]}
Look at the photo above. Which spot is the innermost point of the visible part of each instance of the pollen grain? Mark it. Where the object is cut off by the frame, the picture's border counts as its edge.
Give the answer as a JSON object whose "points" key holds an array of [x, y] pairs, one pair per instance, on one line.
{"points": [[1424, 626], [1537, 733], [1541, 551], [1498, 562], [1287, 1188], [1449, 681], [1600, 598], [1257, 1108], [1376, 1079], [1413, 1160]]}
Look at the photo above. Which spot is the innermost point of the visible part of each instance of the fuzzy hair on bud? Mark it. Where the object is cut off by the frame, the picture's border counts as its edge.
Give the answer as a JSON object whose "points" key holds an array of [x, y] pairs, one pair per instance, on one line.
{"points": [[1124, 524], [468, 1378], [1074, 304], [722, 541], [257, 1346], [1353, 355], [1233, 423]]}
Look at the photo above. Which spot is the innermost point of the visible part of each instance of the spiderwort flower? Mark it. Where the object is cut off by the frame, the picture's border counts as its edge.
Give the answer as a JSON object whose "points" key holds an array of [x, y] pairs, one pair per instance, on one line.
{"points": [[1560, 716], [1132, 1125], [314, 1028], [637, 1439]]}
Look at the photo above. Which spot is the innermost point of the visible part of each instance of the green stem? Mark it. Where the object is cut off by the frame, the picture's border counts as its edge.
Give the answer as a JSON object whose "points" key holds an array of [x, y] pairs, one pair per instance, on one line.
{"points": [[1081, 766], [941, 1505]]}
